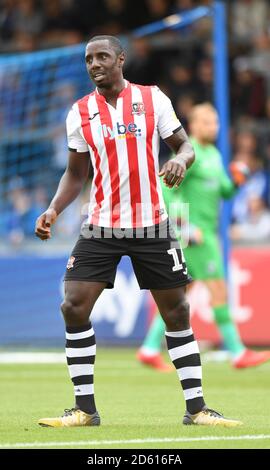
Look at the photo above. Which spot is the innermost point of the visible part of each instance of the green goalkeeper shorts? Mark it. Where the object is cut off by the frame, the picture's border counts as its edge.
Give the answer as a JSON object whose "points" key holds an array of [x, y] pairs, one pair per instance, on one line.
{"points": [[205, 261]]}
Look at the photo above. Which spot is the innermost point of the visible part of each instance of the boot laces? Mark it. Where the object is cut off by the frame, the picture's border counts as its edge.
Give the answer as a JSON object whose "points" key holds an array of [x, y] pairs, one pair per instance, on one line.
{"points": [[213, 413], [69, 412]]}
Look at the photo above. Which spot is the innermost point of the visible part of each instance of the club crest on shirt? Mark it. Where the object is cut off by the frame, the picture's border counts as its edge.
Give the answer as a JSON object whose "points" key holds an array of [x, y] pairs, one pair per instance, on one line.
{"points": [[71, 262], [138, 108]]}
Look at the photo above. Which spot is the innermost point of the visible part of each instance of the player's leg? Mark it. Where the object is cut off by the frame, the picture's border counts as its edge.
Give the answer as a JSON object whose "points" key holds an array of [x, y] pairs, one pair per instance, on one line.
{"points": [[205, 262], [80, 297], [184, 352], [90, 269], [153, 260], [206, 265], [223, 318], [182, 347], [241, 356], [159, 266], [150, 350], [153, 340]]}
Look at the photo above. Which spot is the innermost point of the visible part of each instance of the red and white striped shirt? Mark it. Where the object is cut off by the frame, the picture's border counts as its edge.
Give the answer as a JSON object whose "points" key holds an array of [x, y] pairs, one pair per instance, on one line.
{"points": [[124, 145]]}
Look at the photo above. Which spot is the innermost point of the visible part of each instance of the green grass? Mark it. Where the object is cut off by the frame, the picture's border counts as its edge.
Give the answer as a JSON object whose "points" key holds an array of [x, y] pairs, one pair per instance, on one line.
{"points": [[134, 402]]}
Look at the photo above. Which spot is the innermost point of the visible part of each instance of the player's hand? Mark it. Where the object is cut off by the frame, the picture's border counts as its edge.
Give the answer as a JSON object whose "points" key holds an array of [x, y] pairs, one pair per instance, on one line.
{"points": [[44, 223], [174, 172], [239, 172], [195, 235], [191, 234]]}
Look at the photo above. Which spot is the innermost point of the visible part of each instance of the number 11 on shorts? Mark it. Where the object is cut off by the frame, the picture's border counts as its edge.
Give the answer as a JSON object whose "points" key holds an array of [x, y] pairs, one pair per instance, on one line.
{"points": [[177, 265]]}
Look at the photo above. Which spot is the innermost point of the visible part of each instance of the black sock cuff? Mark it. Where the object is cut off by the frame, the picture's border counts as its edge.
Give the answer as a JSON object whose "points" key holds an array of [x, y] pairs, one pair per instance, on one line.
{"points": [[78, 329], [195, 405]]}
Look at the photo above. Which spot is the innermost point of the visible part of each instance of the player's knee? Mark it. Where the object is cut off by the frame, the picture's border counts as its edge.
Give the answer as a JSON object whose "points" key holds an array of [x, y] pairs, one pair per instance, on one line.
{"points": [[73, 313], [219, 297], [68, 310], [177, 318], [219, 300]]}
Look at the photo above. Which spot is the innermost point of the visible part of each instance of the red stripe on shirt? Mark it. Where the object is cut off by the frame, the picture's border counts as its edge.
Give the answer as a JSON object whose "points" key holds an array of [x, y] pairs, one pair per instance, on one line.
{"points": [[87, 132], [134, 178], [150, 126], [111, 151]]}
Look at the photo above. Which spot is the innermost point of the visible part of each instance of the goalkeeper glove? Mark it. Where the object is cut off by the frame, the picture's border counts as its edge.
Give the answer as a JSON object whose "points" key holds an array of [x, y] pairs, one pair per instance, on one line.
{"points": [[191, 234], [239, 173]]}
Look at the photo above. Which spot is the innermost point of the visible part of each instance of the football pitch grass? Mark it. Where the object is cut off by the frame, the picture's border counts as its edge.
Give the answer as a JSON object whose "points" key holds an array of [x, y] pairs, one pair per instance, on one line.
{"points": [[139, 408]]}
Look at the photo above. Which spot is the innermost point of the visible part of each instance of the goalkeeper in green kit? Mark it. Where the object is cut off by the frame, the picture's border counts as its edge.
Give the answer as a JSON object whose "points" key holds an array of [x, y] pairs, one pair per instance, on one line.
{"points": [[205, 185]]}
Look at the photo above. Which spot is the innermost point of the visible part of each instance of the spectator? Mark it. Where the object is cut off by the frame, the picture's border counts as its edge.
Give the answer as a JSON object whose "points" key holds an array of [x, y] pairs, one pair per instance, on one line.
{"points": [[28, 24], [245, 142], [183, 5], [204, 87], [183, 107], [158, 9], [142, 65], [21, 211], [257, 225], [7, 19], [248, 93], [180, 79], [255, 186], [59, 26], [114, 17], [249, 18], [88, 22]]}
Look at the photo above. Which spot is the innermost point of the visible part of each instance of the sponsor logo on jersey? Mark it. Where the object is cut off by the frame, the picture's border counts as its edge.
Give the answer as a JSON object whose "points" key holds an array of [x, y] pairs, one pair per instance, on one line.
{"points": [[120, 131]]}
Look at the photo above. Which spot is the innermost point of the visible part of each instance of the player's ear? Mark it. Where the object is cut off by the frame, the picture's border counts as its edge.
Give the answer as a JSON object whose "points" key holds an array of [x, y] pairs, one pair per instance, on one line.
{"points": [[121, 59]]}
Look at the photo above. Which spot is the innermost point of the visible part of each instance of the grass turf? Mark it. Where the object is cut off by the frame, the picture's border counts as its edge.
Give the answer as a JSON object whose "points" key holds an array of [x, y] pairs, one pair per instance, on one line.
{"points": [[134, 402]]}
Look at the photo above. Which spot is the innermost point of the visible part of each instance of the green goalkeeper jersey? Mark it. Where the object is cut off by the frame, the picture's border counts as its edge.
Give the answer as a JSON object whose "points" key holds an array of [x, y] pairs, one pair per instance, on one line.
{"points": [[203, 187]]}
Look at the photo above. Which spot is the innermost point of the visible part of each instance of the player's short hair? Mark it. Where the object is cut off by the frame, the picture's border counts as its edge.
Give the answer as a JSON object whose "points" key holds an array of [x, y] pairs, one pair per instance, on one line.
{"points": [[202, 107], [115, 43]]}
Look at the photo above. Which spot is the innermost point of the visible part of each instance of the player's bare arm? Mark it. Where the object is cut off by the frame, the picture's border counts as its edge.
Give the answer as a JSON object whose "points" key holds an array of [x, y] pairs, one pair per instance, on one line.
{"points": [[68, 189], [174, 170]]}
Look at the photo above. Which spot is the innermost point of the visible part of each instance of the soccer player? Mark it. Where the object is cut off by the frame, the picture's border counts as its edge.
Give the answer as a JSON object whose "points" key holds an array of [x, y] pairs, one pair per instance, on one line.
{"points": [[205, 184], [118, 127]]}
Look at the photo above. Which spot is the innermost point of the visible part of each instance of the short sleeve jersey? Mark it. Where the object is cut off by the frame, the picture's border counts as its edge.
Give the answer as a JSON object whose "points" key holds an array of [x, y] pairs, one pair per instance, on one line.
{"points": [[123, 143]]}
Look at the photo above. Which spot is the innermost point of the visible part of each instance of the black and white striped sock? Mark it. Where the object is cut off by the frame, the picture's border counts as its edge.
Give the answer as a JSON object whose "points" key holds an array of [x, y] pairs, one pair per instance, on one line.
{"points": [[81, 353], [185, 355]]}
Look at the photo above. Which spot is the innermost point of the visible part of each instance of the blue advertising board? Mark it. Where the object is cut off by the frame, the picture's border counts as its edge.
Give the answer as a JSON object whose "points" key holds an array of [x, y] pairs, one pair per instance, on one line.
{"points": [[32, 291]]}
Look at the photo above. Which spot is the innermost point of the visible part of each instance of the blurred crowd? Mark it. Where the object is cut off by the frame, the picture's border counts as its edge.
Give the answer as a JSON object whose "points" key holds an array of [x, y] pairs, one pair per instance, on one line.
{"points": [[181, 64], [36, 24]]}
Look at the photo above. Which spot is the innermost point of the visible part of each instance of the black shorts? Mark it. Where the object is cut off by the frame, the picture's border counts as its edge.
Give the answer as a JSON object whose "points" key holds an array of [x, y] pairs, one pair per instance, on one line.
{"points": [[155, 254]]}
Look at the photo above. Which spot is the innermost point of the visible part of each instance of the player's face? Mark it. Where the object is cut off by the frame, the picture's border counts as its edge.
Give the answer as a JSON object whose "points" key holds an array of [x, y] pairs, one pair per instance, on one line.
{"points": [[102, 63], [206, 126]]}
